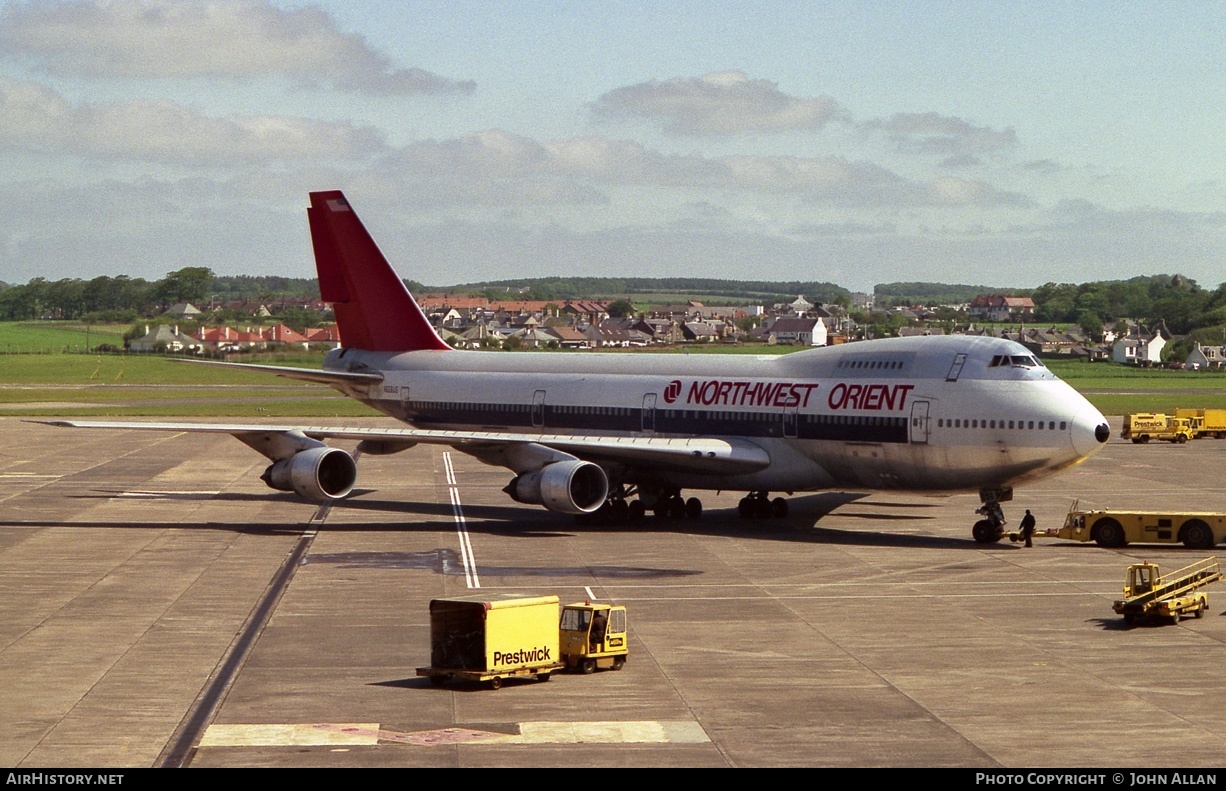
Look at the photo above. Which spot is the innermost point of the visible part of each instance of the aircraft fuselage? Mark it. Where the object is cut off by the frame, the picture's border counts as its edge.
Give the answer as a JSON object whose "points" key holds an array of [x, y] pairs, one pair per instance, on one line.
{"points": [[925, 413]]}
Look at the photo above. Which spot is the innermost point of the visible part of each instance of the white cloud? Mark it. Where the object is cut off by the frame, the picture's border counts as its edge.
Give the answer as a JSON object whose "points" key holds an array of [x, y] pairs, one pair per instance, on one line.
{"points": [[36, 118], [940, 134], [485, 167], [235, 39], [717, 103]]}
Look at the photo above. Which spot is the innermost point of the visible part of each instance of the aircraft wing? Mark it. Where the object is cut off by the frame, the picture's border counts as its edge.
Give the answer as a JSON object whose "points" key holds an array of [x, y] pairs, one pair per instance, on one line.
{"points": [[726, 456]]}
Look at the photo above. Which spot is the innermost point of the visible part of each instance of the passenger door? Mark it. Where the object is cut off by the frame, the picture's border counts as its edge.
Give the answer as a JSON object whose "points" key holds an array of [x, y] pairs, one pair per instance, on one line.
{"points": [[919, 422]]}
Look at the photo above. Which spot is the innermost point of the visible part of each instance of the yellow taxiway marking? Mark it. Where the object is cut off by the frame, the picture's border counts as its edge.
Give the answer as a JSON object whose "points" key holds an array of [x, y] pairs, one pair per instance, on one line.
{"points": [[366, 733]]}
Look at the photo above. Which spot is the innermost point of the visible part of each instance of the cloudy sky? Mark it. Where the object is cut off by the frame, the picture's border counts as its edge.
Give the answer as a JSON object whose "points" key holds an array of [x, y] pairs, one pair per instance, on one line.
{"points": [[987, 142]]}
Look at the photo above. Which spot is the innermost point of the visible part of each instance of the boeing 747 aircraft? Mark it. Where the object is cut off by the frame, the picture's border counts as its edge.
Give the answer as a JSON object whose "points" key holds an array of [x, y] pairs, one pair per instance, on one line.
{"points": [[617, 435]]}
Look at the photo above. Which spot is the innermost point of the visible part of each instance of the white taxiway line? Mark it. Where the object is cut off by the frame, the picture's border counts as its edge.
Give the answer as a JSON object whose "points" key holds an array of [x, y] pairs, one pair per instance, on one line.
{"points": [[466, 547]]}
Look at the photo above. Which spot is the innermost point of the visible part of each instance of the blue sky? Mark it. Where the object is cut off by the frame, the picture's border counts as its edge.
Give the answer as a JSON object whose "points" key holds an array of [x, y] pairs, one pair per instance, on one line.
{"points": [[1007, 144]]}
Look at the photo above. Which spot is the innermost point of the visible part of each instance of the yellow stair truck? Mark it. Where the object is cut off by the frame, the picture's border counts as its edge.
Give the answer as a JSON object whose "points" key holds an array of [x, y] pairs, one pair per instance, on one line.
{"points": [[1148, 593]]}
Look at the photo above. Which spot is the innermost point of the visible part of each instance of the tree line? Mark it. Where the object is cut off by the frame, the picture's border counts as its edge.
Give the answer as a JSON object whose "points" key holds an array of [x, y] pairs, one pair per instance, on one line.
{"points": [[1178, 301], [122, 298]]}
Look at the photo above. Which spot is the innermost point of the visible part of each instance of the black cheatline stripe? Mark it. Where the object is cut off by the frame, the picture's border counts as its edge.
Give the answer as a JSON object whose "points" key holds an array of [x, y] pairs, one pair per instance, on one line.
{"points": [[697, 422]]}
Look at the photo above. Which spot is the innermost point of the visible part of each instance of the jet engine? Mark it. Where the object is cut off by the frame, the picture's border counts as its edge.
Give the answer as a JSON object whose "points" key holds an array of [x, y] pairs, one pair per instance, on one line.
{"points": [[571, 487], [318, 474]]}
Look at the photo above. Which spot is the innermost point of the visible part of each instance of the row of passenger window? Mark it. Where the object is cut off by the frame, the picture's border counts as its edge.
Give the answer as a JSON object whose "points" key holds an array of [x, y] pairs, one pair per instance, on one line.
{"points": [[1014, 424], [888, 365]]}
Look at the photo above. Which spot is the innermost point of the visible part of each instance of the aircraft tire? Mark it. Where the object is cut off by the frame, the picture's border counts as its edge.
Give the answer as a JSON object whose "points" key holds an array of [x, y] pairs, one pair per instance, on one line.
{"points": [[1196, 534], [779, 508], [676, 508], [985, 533], [745, 507], [636, 511], [693, 508], [1108, 533]]}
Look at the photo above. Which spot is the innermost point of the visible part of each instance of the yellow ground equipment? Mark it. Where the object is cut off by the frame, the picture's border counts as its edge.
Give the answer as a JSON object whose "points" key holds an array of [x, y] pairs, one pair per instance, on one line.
{"points": [[1195, 529], [1205, 422], [594, 635], [1148, 593], [492, 637], [1141, 427]]}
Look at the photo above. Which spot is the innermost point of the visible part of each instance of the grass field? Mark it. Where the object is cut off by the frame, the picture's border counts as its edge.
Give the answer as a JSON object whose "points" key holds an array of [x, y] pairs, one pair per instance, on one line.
{"points": [[41, 337]]}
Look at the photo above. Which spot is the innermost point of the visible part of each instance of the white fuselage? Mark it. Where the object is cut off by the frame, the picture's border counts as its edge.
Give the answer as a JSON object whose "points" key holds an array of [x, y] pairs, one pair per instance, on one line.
{"points": [[924, 413]]}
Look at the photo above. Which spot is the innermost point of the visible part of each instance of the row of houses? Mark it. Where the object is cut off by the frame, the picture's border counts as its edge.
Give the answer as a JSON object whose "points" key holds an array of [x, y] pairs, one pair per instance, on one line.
{"points": [[220, 340], [476, 322]]}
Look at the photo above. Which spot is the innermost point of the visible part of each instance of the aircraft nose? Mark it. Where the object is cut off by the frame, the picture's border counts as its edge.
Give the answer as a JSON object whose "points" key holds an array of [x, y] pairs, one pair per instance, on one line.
{"points": [[1090, 431]]}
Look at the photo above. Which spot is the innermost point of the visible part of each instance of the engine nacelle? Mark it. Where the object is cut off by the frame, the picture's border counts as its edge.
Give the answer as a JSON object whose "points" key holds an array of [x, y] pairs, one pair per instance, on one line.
{"points": [[571, 487], [319, 474]]}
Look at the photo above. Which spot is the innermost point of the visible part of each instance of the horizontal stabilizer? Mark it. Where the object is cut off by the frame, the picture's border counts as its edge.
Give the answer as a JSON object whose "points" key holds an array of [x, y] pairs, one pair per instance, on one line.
{"points": [[289, 372]]}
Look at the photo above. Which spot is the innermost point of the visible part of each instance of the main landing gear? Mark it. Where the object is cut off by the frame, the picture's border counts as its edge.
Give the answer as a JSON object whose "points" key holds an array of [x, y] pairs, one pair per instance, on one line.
{"points": [[664, 504], [758, 505], [667, 503], [991, 528]]}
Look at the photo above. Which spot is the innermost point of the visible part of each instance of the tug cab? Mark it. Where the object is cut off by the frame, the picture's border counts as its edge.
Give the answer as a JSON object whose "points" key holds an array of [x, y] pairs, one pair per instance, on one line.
{"points": [[593, 635]]}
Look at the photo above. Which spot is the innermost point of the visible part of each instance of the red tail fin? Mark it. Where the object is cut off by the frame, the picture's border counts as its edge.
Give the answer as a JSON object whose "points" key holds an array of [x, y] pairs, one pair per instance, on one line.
{"points": [[373, 309]]}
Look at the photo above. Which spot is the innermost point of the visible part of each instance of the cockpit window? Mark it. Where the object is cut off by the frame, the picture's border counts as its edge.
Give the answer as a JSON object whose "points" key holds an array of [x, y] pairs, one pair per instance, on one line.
{"points": [[1020, 360]]}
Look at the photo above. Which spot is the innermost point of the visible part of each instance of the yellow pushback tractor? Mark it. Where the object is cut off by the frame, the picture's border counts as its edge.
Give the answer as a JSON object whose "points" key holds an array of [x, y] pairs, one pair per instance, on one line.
{"points": [[491, 637], [1114, 529]]}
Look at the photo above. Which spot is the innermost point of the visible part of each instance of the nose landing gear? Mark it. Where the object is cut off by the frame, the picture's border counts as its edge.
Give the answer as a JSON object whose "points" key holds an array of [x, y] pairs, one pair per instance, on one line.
{"points": [[991, 528]]}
